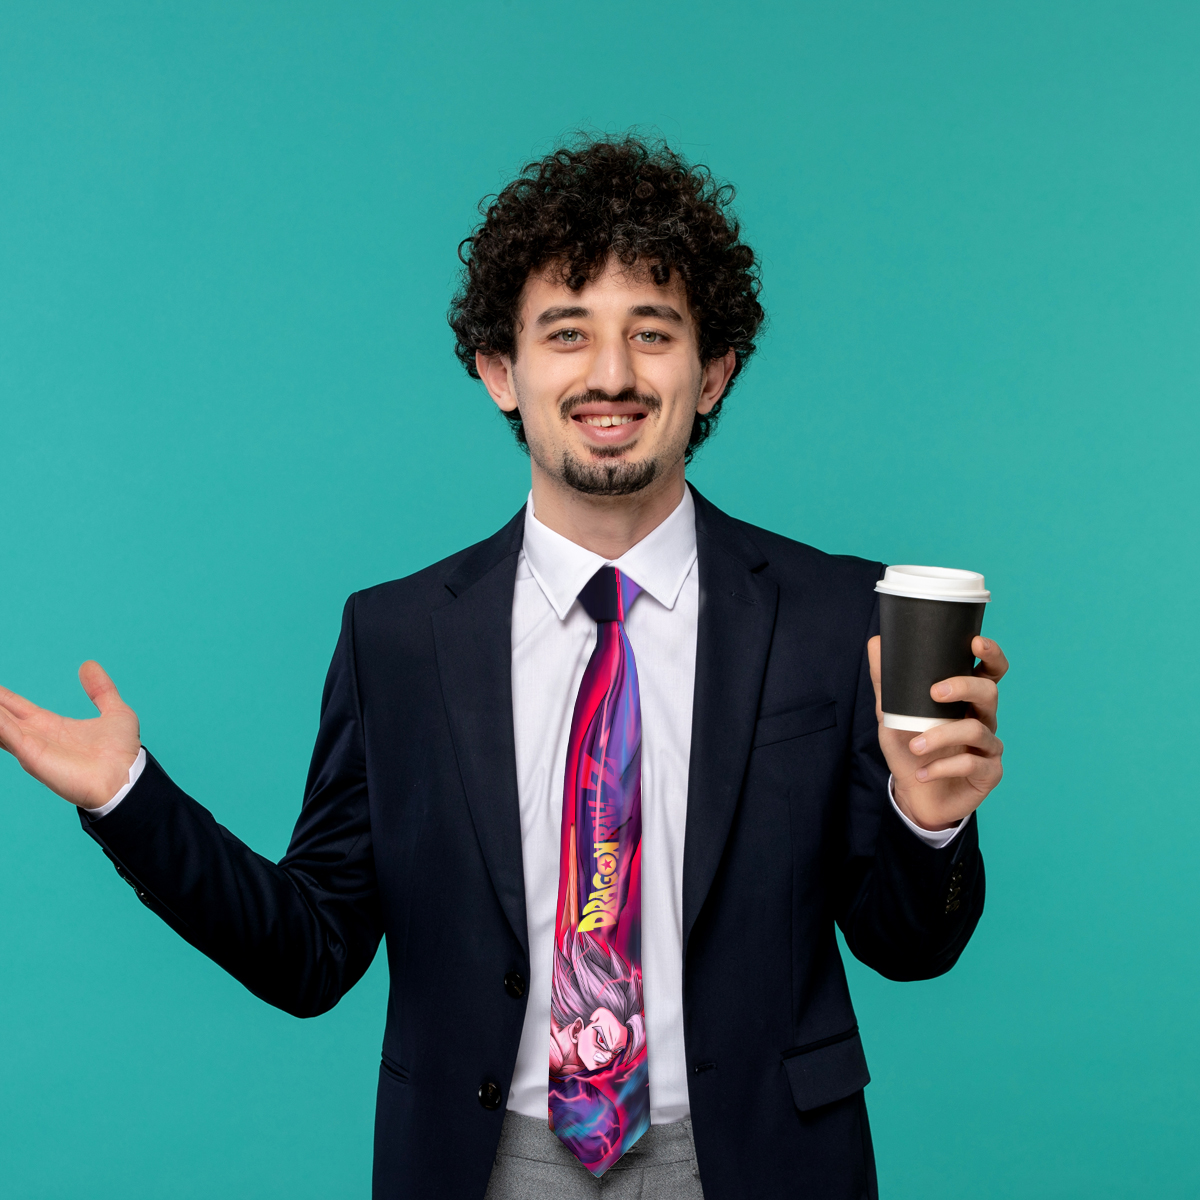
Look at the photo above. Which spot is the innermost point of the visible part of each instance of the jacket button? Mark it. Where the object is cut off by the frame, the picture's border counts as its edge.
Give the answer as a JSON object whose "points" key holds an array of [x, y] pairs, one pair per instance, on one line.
{"points": [[514, 984], [489, 1094]]}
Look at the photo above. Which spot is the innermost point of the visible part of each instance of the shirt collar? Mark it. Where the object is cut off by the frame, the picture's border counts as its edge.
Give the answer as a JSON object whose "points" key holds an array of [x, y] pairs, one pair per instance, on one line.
{"points": [[659, 563]]}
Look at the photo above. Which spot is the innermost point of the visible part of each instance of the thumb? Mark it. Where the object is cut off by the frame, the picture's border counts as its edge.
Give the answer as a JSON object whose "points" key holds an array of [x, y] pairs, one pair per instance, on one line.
{"points": [[100, 689], [873, 658], [873, 662]]}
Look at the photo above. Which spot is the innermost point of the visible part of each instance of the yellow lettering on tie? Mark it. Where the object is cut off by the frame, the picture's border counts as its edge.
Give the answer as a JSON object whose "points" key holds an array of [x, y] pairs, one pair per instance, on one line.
{"points": [[599, 919], [597, 900]]}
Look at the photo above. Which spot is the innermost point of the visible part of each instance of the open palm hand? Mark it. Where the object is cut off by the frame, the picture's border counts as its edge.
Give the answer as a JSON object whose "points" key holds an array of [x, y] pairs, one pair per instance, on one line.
{"points": [[84, 761]]}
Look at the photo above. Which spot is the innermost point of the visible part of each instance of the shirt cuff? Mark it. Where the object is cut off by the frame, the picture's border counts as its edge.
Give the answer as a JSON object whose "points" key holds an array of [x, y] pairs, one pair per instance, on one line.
{"points": [[135, 773], [939, 839]]}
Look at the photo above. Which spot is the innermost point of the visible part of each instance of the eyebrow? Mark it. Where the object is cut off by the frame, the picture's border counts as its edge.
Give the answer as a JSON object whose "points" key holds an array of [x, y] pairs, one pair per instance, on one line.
{"points": [[664, 312], [561, 313]]}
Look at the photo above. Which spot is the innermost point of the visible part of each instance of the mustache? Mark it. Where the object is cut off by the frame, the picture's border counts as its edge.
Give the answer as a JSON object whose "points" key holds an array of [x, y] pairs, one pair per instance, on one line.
{"points": [[651, 403]]}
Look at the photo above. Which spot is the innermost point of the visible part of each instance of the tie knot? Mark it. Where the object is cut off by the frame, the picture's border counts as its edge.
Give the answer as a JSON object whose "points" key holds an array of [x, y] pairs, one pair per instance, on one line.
{"points": [[608, 595]]}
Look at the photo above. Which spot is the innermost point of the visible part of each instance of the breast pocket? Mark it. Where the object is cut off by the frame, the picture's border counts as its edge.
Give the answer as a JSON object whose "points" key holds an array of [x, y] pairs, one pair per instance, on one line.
{"points": [[796, 723]]}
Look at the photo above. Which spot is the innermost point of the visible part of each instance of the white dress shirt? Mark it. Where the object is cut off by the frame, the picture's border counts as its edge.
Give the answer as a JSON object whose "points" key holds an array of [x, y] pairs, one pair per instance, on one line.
{"points": [[552, 640]]}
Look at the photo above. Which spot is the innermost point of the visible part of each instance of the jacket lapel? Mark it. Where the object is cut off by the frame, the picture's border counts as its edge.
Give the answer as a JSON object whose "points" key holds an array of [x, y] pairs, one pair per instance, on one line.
{"points": [[736, 621], [473, 637]]}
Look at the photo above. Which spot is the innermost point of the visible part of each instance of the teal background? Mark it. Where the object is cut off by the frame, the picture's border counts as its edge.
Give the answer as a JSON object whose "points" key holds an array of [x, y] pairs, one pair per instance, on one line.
{"points": [[227, 399]]}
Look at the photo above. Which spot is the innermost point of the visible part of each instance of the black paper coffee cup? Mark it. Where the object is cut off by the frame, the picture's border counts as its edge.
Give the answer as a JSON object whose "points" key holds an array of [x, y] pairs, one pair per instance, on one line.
{"points": [[928, 617]]}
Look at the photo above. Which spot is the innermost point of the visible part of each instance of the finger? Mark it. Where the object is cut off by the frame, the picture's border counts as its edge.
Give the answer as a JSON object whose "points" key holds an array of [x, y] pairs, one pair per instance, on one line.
{"points": [[20, 708], [100, 689], [971, 732], [992, 663], [982, 772], [980, 693]]}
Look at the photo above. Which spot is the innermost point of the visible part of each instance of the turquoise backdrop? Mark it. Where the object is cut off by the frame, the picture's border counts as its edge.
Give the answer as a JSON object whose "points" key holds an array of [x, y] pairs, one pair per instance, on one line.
{"points": [[228, 399]]}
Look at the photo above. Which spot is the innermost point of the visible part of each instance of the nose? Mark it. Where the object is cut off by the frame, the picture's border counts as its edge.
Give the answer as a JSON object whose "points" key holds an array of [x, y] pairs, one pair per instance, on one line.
{"points": [[611, 367]]}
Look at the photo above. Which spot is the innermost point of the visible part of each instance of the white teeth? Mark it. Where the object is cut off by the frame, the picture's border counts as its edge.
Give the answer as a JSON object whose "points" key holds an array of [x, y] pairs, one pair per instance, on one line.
{"points": [[605, 422]]}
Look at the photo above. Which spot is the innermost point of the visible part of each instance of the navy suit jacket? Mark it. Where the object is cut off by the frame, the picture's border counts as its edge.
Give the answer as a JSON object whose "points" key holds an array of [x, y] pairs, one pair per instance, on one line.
{"points": [[410, 828]]}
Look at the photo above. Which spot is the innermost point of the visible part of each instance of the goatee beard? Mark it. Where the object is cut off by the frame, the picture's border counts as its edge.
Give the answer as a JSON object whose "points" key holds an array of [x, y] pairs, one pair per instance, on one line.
{"points": [[607, 478]]}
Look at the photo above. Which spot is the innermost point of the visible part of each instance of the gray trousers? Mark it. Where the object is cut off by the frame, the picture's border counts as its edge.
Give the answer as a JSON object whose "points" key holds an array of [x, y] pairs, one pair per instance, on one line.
{"points": [[532, 1164]]}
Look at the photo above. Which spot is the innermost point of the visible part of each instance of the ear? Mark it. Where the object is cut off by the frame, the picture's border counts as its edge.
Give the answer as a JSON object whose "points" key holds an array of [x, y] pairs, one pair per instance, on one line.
{"points": [[575, 1028], [495, 370], [715, 380]]}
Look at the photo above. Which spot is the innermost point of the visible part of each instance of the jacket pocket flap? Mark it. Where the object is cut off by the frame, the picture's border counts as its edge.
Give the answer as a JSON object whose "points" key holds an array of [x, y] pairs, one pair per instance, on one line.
{"points": [[796, 723], [827, 1071]]}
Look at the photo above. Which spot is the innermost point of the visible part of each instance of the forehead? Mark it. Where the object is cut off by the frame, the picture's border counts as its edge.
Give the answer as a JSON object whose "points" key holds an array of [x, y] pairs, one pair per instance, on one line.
{"points": [[615, 291]]}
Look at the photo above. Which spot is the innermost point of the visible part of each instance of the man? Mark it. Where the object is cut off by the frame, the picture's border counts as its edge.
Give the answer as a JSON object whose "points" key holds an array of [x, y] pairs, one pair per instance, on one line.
{"points": [[606, 780]]}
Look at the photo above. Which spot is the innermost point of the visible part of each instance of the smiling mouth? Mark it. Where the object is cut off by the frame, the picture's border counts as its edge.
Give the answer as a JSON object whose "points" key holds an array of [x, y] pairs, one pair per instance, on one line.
{"points": [[609, 425], [605, 421]]}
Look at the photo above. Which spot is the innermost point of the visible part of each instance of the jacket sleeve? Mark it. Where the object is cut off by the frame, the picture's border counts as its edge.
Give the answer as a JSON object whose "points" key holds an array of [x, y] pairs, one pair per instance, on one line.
{"points": [[300, 933], [906, 909]]}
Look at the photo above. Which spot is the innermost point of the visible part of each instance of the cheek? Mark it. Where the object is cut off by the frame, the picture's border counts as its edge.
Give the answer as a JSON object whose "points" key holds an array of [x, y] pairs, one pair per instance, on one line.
{"points": [[543, 379], [675, 375], [534, 400]]}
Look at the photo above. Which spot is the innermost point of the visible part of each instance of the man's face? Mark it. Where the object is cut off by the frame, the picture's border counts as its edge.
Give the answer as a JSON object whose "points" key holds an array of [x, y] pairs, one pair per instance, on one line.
{"points": [[600, 1040], [608, 379]]}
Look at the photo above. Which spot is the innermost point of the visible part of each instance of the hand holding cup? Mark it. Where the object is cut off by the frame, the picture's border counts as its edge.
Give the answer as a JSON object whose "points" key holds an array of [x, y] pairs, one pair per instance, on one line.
{"points": [[941, 747]]}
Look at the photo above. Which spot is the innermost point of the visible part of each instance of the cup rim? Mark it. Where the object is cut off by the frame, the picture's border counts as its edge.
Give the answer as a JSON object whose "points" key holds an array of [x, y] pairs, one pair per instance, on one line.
{"points": [[934, 583]]}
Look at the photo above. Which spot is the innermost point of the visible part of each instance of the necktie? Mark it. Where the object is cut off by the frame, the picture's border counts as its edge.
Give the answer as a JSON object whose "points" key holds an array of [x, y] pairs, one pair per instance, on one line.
{"points": [[599, 1080]]}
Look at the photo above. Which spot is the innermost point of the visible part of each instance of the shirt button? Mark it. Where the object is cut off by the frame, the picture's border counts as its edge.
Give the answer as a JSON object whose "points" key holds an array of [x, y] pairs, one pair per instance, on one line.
{"points": [[514, 984], [489, 1094]]}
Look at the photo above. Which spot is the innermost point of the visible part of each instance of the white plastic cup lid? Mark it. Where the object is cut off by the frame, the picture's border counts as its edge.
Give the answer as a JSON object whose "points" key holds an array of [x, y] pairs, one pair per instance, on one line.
{"points": [[934, 583]]}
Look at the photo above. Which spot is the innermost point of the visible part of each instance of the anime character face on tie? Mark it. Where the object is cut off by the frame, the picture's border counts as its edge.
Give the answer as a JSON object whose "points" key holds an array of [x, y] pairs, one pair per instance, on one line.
{"points": [[591, 1046], [595, 1008]]}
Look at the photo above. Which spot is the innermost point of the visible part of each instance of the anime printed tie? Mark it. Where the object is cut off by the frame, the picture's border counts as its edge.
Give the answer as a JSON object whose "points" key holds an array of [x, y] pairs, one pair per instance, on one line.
{"points": [[599, 1079]]}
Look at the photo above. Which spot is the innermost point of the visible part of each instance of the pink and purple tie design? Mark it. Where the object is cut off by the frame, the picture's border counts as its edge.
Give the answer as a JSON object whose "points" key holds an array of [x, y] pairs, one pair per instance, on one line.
{"points": [[599, 1080]]}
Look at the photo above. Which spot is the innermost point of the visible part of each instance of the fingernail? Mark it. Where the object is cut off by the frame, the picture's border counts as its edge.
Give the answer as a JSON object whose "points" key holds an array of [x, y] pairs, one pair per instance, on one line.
{"points": [[918, 745], [923, 774], [944, 689]]}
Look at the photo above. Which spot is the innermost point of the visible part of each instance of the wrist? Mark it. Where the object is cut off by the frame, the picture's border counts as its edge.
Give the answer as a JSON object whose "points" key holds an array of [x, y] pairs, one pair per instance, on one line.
{"points": [[116, 785], [928, 821]]}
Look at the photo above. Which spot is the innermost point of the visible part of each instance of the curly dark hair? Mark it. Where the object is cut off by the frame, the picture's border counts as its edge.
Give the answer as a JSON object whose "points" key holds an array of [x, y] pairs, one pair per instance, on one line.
{"points": [[627, 197]]}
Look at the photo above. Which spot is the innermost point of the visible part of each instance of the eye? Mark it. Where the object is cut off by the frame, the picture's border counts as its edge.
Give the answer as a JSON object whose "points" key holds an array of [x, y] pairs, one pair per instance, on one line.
{"points": [[569, 336], [600, 1039], [650, 337]]}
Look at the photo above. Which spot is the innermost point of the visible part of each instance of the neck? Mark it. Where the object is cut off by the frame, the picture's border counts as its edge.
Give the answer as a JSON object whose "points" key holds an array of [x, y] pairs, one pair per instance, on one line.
{"points": [[605, 525]]}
